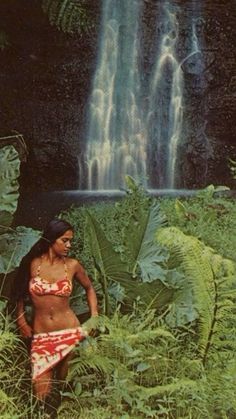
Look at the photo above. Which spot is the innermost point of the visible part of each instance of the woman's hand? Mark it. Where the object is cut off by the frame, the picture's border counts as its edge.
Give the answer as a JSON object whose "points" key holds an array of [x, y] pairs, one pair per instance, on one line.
{"points": [[25, 330], [91, 325]]}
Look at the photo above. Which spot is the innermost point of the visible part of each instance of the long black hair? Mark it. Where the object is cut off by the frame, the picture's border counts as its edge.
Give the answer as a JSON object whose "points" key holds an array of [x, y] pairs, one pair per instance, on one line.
{"points": [[54, 229]]}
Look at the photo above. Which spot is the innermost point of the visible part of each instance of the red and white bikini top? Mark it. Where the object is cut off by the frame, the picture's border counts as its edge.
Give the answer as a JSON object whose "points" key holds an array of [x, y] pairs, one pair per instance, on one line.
{"points": [[62, 287]]}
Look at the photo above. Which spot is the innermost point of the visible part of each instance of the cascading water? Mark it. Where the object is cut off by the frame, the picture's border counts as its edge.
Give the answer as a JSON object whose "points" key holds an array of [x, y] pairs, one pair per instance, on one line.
{"points": [[116, 143], [164, 117], [135, 129], [176, 101]]}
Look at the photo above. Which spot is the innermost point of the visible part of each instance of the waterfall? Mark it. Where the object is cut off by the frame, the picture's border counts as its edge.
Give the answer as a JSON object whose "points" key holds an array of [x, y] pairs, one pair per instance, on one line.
{"points": [[116, 143], [176, 110], [136, 128], [195, 46], [165, 113]]}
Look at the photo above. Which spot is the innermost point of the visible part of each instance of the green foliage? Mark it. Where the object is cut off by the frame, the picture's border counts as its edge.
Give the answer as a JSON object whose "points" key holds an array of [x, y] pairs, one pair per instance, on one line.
{"points": [[106, 261], [109, 265], [124, 366], [67, 15], [140, 365], [221, 385], [4, 41], [208, 282], [14, 243], [210, 219], [136, 367], [232, 166], [140, 252], [9, 173], [131, 225], [116, 244], [211, 190], [140, 244], [14, 372]]}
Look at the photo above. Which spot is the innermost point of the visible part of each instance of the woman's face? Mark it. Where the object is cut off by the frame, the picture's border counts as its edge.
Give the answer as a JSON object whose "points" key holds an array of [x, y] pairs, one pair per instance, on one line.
{"points": [[62, 245]]}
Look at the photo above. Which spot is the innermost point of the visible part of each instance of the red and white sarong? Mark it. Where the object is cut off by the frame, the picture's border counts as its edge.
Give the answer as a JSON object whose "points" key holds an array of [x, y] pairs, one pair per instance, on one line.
{"points": [[51, 347]]}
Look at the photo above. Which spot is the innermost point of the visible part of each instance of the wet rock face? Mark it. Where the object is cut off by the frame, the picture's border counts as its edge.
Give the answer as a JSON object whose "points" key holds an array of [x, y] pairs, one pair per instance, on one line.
{"points": [[45, 82], [214, 137], [209, 106]]}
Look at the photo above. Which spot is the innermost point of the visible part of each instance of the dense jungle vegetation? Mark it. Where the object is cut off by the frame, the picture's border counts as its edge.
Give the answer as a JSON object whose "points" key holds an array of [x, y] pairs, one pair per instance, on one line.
{"points": [[164, 273]]}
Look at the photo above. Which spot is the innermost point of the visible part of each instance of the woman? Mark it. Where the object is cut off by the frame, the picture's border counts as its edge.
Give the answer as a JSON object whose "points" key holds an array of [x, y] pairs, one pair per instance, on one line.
{"points": [[46, 274]]}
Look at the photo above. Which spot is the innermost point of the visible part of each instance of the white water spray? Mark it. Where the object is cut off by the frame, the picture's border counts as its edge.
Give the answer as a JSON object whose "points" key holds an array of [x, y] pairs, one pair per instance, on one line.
{"points": [[166, 101], [116, 143], [120, 138]]}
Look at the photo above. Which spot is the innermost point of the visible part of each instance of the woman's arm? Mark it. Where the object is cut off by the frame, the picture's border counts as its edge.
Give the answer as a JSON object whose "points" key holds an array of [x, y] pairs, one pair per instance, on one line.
{"points": [[84, 280], [24, 327]]}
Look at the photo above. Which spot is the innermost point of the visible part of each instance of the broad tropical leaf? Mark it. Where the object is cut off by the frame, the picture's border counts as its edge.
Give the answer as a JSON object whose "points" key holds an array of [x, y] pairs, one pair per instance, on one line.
{"points": [[9, 173], [111, 267], [106, 259], [145, 253], [14, 244]]}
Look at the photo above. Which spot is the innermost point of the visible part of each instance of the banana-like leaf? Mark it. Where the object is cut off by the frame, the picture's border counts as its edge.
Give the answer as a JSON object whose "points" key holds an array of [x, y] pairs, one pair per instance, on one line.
{"points": [[106, 259], [14, 244], [144, 251], [110, 266], [9, 173], [182, 308]]}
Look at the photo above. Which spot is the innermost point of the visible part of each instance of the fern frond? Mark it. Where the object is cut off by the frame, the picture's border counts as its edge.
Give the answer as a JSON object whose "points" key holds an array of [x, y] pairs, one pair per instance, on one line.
{"points": [[149, 335], [202, 269], [182, 385], [90, 361], [67, 15]]}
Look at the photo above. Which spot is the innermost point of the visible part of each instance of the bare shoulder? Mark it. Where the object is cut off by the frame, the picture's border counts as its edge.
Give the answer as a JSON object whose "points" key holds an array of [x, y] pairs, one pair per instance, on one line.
{"points": [[78, 272], [73, 264], [35, 263]]}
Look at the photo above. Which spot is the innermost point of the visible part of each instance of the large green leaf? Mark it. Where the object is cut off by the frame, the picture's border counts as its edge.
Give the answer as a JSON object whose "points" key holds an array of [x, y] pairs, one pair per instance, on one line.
{"points": [[196, 297], [106, 259], [111, 267], [151, 254], [9, 173], [14, 244], [182, 309], [144, 252]]}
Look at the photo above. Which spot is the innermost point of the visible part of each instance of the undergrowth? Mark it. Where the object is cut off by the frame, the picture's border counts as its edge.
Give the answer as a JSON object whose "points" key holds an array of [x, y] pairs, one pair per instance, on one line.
{"points": [[138, 366], [212, 220]]}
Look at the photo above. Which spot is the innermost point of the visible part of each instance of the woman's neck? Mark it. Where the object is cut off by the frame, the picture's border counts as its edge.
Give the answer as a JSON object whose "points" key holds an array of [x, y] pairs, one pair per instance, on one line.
{"points": [[52, 257]]}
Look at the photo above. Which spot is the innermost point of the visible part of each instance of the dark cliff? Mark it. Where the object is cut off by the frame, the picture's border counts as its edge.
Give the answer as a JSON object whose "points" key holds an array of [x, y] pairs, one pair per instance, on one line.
{"points": [[46, 80]]}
